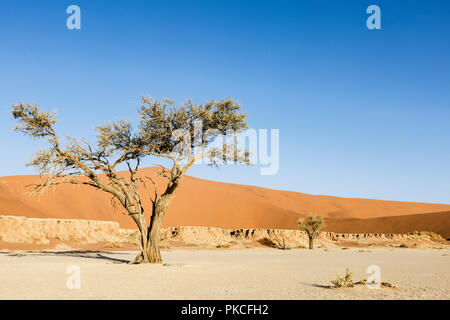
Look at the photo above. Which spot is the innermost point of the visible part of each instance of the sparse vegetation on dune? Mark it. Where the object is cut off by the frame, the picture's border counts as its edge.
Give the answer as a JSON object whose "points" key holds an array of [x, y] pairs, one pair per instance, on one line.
{"points": [[431, 234]]}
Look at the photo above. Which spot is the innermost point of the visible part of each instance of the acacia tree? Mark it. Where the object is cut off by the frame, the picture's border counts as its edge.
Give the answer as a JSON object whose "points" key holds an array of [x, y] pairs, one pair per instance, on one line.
{"points": [[182, 134], [311, 225]]}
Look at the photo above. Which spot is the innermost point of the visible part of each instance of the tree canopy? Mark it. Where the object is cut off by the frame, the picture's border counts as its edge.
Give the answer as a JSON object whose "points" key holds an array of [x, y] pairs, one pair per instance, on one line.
{"points": [[183, 134]]}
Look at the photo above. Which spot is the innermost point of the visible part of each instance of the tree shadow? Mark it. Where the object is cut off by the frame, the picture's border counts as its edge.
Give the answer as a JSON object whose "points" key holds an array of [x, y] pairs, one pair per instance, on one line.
{"points": [[100, 255]]}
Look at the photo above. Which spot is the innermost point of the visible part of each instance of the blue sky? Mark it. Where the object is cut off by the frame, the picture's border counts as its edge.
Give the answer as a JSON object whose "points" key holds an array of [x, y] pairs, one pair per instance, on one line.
{"points": [[362, 113]]}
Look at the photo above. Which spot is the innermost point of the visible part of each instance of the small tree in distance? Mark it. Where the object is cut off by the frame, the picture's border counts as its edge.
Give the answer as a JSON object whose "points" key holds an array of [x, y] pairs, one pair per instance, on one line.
{"points": [[165, 131], [311, 225]]}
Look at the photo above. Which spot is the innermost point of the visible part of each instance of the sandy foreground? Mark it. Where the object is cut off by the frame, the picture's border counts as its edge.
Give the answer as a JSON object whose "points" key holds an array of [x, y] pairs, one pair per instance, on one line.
{"points": [[226, 274]]}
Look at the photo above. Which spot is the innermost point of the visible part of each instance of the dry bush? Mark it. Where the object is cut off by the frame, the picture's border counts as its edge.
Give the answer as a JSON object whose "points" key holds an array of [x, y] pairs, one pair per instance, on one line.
{"points": [[283, 245], [344, 282], [113, 245], [431, 234], [274, 244], [388, 285], [268, 243], [164, 245], [405, 245], [228, 244]]}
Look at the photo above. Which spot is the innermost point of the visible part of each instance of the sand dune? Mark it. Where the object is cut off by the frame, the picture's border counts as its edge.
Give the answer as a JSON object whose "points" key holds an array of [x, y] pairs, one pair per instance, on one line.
{"points": [[206, 203], [438, 222]]}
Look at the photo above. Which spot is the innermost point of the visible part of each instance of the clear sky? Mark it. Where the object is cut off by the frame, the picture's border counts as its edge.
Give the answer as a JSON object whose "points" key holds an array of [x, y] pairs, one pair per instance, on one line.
{"points": [[362, 113]]}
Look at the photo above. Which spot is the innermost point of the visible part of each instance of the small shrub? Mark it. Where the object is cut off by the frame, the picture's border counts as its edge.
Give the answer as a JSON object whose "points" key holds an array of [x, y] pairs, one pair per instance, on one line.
{"points": [[362, 281], [273, 244], [227, 245], [344, 282], [388, 285], [164, 245], [113, 245], [405, 245], [267, 242], [283, 245]]}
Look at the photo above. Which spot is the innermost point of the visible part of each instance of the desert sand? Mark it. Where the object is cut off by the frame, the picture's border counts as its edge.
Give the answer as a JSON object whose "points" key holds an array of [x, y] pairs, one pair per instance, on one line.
{"points": [[226, 274], [206, 203], [255, 255]]}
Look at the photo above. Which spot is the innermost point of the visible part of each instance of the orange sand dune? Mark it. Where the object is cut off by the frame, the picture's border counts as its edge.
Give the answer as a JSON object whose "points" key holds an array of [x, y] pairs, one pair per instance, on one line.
{"points": [[206, 203], [438, 222]]}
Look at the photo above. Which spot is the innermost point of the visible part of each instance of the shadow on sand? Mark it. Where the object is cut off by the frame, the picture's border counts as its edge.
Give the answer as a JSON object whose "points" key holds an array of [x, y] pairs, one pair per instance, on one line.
{"points": [[76, 254]]}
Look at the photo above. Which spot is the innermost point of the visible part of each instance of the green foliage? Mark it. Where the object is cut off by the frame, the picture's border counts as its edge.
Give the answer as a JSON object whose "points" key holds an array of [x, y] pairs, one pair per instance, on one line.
{"points": [[165, 131], [32, 122], [164, 127], [311, 225]]}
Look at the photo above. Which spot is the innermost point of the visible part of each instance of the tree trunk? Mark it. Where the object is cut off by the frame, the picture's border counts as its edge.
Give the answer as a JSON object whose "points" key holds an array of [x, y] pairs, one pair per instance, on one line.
{"points": [[311, 242], [150, 250], [153, 253], [144, 247], [143, 239]]}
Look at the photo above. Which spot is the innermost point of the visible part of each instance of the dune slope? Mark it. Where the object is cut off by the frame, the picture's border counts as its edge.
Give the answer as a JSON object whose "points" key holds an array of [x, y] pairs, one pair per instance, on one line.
{"points": [[206, 203], [438, 222]]}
